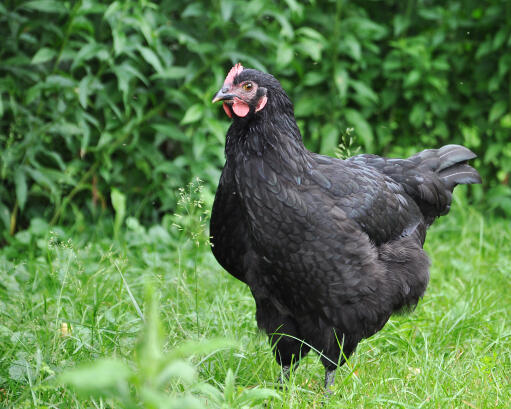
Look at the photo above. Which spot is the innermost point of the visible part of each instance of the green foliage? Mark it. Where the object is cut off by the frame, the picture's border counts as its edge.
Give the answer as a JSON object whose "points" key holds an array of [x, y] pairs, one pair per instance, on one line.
{"points": [[76, 329], [90, 321], [119, 205], [347, 147], [97, 96], [156, 378]]}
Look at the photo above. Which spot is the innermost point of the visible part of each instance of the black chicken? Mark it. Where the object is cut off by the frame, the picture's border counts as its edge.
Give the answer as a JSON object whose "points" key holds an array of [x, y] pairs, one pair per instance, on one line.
{"points": [[330, 248]]}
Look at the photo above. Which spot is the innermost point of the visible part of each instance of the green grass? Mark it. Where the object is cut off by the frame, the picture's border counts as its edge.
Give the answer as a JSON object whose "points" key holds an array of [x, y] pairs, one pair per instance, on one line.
{"points": [[68, 297]]}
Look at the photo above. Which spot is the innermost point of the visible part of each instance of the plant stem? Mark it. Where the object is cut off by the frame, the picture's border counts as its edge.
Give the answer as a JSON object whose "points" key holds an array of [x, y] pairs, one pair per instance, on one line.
{"points": [[76, 189]]}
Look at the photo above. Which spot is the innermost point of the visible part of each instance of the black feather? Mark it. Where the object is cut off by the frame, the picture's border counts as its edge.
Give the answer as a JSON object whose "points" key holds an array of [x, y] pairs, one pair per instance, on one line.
{"points": [[329, 248]]}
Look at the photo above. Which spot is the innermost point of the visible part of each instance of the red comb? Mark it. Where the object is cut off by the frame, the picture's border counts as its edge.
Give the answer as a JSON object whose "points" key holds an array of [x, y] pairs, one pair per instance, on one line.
{"points": [[232, 74]]}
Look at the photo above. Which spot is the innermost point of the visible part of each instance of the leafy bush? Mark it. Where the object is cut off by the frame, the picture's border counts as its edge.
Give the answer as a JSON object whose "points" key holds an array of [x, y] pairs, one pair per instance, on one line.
{"points": [[98, 96], [159, 379]]}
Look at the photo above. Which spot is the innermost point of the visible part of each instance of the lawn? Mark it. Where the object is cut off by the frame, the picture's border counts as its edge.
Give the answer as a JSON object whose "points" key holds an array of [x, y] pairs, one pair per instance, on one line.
{"points": [[165, 326]]}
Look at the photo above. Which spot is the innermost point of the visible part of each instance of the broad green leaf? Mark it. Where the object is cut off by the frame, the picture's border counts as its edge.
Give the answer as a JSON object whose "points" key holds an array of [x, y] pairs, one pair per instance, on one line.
{"points": [[312, 34], [504, 64], [313, 78], [439, 83], [124, 77], [471, 136], [229, 386], [57, 158], [20, 181], [418, 115], [34, 93], [362, 127], [176, 370], [193, 10], [136, 73], [442, 64], [500, 37], [146, 29], [329, 139], [352, 47], [505, 121], [151, 57], [193, 114], [173, 73], [295, 7], [412, 78], [286, 28], [218, 128], [5, 216], [20, 370], [342, 81], [38, 226], [251, 397], [367, 28], [47, 6], [261, 37], [103, 375], [492, 153], [43, 55], [209, 391], [226, 9], [39, 177], [284, 54], [364, 91], [120, 41], [484, 48], [194, 348], [84, 89], [312, 48], [88, 52], [60, 81], [431, 13], [153, 399], [497, 110], [112, 9], [308, 105], [401, 24], [119, 204], [171, 131]]}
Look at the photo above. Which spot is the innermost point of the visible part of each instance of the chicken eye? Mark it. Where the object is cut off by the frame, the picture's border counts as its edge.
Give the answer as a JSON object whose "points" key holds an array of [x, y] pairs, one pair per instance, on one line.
{"points": [[247, 86]]}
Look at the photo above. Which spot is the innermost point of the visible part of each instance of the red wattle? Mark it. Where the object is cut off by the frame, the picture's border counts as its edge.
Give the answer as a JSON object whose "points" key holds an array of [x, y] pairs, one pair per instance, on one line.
{"points": [[240, 107], [227, 110]]}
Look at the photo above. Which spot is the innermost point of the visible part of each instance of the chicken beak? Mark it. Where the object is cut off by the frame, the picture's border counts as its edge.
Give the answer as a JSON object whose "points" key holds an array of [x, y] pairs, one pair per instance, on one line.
{"points": [[222, 95]]}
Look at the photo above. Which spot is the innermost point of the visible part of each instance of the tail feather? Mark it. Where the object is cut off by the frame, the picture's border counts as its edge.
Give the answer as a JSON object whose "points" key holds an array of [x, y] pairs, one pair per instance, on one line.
{"points": [[450, 163], [447, 168], [452, 154], [430, 176], [445, 157], [459, 175]]}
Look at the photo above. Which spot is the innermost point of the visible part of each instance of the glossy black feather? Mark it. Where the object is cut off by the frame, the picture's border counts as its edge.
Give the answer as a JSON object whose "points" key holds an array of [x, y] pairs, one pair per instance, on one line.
{"points": [[329, 248]]}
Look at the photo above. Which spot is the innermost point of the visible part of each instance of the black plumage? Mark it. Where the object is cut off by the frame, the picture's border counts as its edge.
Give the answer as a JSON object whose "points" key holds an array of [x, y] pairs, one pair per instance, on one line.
{"points": [[330, 248]]}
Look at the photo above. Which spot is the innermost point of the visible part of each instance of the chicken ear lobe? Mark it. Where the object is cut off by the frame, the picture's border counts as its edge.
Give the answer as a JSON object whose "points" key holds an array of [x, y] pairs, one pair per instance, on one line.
{"points": [[262, 101]]}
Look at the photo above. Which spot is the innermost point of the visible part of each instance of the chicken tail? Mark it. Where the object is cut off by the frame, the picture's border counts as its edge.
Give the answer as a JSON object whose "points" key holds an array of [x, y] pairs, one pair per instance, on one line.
{"points": [[429, 177], [436, 173], [450, 163]]}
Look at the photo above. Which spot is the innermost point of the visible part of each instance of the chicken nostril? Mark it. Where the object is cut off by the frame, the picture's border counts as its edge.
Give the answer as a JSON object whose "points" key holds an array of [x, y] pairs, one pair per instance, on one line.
{"points": [[225, 89]]}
